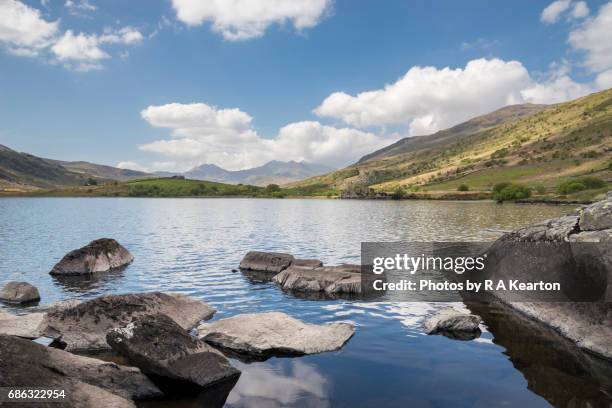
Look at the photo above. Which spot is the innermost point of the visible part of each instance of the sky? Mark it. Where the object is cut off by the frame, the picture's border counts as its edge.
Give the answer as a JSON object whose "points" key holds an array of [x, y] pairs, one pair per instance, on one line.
{"points": [[166, 85]]}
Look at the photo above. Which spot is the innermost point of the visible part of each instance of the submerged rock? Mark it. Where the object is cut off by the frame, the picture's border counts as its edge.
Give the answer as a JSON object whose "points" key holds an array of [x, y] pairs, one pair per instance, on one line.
{"points": [[84, 326], [266, 261], [343, 279], [454, 324], [100, 255], [274, 333], [29, 326], [19, 292], [87, 382], [585, 270], [160, 347]]}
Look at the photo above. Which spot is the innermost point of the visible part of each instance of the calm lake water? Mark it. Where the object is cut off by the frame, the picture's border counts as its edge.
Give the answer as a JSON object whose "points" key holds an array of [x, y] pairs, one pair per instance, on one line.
{"points": [[191, 246]]}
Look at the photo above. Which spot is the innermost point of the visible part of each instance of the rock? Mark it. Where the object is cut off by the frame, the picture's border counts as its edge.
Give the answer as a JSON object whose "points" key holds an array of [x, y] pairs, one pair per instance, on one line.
{"points": [[330, 280], [29, 326], [597, 216], [266, 261], [454, 324], [274, 333], [87, 382], [19, 292], [100, 255], [84, 326], [160, 347], [307, 263], [554, 230], [62, 305]]}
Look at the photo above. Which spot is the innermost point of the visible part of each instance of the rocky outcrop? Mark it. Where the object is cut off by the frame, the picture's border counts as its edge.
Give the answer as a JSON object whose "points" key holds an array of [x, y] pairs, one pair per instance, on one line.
{"points": [[266, 261], [88, 383], [160, 347], [585, 271], [29, 326], [274, 333], [100, 255], [331, 280], [454, 324], [19, 292], [84, 326]]}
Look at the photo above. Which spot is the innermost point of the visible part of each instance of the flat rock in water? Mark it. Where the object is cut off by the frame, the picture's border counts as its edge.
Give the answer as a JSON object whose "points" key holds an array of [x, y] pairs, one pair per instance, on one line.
{"points": [[100, 255], [274, 333], [84, 326], [454, 324], [160, 347], [343, 279], [87, 382], [266, 261], [19, 292], [29, 326], [597, 216]]}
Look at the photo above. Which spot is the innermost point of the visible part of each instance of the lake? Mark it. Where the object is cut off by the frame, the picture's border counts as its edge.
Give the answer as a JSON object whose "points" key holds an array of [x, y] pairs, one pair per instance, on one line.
{"points": [[190, 246]]}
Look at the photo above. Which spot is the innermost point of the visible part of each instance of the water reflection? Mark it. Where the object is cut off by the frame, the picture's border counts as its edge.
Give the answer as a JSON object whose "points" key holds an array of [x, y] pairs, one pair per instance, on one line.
{"points": [[79, 284], [282, 383]]}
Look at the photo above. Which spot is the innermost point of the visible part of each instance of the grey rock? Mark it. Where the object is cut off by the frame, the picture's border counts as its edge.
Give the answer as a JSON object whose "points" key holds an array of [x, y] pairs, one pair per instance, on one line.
{"points": [[274, 333], [100, 255], [597, 216], [307, 263], [88, 383], [160, 347], [19, 292], [29, 326], [454, 324], [553, 230], [329, 279], [84, 326], [266, 261]]}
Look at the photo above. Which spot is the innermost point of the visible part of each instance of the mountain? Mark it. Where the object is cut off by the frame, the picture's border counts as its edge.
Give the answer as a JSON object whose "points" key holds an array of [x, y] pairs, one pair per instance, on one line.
{"points": [[276, 172], [100, 170], [529, 144]]}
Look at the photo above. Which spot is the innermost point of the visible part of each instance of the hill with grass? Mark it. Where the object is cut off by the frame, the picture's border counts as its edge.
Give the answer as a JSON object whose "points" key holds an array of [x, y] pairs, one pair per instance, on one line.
{"points": [[541, 149]]}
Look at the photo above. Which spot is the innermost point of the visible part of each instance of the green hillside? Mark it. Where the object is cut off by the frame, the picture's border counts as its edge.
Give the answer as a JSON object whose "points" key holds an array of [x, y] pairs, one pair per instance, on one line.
{"points": [[560, 144]]}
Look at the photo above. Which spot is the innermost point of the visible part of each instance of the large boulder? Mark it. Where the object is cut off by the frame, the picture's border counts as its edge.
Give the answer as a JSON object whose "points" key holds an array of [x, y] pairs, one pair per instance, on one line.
{"points": [[29, 326], [100, 255], [87, 382], [454, 324], [19, 292], [576, 251], [85, 325], [160, 347], [330, 280], [274, 333], [266, 261]]}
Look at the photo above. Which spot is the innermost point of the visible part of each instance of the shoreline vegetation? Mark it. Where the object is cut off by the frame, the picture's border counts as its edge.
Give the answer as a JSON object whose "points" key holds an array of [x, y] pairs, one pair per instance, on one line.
{"points": [[582, 190]]}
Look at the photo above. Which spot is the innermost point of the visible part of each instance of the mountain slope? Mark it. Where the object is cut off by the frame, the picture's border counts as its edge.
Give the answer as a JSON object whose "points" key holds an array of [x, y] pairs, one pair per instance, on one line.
{"points": [[100, 170], [277, 172], [558, 143]]}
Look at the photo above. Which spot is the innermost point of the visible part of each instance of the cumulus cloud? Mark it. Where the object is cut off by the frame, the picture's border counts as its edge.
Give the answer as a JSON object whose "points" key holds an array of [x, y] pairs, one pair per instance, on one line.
{"points": [[246, 19], [580, 10], [201, 133], [79, 7], [553, 11], [593, 38], [23, 30]]}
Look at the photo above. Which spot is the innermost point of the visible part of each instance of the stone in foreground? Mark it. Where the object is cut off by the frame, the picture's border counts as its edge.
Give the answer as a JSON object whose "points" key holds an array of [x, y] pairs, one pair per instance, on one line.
{"points": [[28, 326], [87, 382], [19, 292], [160, 347], [454, 324], [266, 261], [84, 326], [100, 255], [331, 280], [274, 333]]}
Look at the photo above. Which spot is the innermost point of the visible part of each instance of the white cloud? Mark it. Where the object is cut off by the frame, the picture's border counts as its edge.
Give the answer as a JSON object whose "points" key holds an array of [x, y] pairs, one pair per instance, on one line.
{"points": [[604, 79], [593, 38], [80, 47], [245, 19], [205, 134], [554, 10], [23, 30], [125, 35], [558, 89], [130, 165], [580, 10], [79, 7]]}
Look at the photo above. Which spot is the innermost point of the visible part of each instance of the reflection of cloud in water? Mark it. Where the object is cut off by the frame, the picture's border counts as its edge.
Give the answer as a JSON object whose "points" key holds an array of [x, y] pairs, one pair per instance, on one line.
{"points": [[272, 385]]}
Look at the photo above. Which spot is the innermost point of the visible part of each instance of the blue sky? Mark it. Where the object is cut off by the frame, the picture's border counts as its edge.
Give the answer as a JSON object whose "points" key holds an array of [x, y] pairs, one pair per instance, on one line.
{"points": [[166, 85]]}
